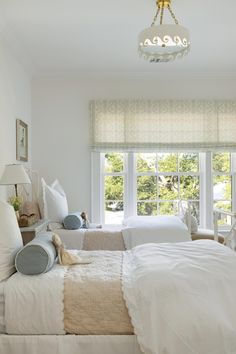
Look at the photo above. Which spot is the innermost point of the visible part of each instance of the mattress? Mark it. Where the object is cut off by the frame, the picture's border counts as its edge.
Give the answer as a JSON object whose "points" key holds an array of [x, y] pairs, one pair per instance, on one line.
{"points": [[2, 307]]}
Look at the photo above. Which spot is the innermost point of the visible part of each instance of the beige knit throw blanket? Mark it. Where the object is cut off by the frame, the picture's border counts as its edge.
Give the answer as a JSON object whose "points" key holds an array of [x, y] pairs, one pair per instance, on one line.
{"points": [[103, 240], [93, 298]]}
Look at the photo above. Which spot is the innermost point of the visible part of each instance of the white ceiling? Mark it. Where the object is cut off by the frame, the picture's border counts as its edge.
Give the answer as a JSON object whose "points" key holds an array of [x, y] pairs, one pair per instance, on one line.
{"points": [[75, 36]]}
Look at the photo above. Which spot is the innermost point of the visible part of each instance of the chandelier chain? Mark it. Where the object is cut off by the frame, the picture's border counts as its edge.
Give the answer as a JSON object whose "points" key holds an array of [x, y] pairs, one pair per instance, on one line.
{"points": [[173, 15], [162, 13], [155, 17]]}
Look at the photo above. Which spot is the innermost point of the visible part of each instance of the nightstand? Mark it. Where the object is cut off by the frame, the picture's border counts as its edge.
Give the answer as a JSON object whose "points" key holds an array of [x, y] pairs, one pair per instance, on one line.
{"points": [[28, 233]]}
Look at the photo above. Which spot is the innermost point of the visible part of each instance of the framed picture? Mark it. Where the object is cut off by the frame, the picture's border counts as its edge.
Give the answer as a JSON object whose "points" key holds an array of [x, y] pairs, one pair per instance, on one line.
{"points": [[21, 140]]}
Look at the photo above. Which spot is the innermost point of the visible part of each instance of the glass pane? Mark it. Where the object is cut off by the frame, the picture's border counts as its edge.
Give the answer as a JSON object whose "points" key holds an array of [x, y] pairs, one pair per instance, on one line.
{"points": [[146, 162], [114, 162], [227, 206], [188, 162], [146, 208], [167, 162], [221, 162], [114, 187], [189, 188], [168, 187], [114, 212], [222, 188], [146, 188], [167, 208]]}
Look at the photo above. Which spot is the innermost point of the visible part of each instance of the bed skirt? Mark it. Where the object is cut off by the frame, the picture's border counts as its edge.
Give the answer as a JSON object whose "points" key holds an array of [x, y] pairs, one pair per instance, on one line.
{"points": [[72, 344]]}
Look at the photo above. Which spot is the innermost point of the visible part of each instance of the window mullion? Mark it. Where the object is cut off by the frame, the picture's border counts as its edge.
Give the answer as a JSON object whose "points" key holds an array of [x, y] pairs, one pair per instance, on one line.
{"points": [[102, 189], [207, 192], [130, 186], [233, 172]]}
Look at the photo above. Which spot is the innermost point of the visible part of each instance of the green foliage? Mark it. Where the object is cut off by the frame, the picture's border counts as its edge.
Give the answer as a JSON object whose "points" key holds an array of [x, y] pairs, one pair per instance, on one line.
{"points": [[168, 187], [114, 187], [146, 188], [152, 190], [146, 162], [189, 188], [188, 163], [167, 162], [16, 202], [221, 162], [146, 208], [114, 162], [167, 208]]}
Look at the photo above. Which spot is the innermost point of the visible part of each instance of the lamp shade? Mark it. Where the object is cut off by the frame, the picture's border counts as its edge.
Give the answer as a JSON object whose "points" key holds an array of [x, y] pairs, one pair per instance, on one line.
{"points": [[14, 174]]}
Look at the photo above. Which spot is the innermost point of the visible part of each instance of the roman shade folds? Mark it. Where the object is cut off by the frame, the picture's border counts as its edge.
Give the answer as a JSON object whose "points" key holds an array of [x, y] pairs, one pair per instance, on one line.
{"points": [[143, 125]]}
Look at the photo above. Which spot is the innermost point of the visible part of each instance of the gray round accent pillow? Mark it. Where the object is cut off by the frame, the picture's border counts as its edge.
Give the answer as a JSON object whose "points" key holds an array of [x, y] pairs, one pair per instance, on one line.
{"points": [[37, 257], [73, 221]]}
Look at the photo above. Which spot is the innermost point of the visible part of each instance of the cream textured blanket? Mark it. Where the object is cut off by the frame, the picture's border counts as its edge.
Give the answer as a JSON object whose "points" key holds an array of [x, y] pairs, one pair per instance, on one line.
{"points": [[93, 298], [103, 240]]}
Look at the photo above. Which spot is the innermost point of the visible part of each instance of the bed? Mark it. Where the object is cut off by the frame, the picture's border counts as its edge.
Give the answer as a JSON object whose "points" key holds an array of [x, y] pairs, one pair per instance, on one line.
{"points": [[155, 298], [195, 294]]}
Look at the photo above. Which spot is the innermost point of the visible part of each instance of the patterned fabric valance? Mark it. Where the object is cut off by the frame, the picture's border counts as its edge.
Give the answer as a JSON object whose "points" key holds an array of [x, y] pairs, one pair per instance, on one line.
{"points": [[140, 125]]}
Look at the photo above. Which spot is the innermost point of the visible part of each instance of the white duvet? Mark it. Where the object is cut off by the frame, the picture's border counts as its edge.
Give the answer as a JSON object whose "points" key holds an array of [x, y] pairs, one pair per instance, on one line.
{"points": [[35, 304], [182, 297]]}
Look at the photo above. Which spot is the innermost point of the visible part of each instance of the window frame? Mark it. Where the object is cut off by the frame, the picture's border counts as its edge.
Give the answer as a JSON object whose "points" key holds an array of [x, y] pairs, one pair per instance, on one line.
{"points": [[206, 201], [158, 173]]}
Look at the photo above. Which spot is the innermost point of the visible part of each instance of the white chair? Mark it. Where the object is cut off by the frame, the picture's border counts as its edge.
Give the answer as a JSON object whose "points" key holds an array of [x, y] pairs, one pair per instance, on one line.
{"points": [[201, 234], [229, 237]]}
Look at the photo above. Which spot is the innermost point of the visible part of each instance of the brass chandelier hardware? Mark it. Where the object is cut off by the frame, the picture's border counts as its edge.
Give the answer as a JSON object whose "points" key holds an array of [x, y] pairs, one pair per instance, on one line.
{"points": [[163, 42]]}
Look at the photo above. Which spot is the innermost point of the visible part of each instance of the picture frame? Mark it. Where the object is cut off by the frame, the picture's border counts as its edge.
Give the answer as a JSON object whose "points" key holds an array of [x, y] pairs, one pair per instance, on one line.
{"points": [[21, 141]]}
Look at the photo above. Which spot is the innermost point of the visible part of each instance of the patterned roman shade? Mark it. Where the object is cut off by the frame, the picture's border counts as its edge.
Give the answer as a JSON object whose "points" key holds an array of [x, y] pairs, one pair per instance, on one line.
{"points": [[142, 125]]}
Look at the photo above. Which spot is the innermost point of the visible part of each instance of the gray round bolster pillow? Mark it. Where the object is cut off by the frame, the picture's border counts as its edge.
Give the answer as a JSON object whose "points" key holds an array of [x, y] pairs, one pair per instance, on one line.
{"points": [[37, 257], [73, 221]]}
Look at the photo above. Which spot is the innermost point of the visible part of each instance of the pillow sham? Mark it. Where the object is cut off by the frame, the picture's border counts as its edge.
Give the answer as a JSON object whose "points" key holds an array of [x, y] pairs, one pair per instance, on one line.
{"points": [[37, 257], [140, 221], [10, 240], [162, 229], [55, 206]]}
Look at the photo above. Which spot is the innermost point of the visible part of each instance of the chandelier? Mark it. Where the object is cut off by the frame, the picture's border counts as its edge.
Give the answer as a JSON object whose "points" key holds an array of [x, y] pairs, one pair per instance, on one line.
{"points": [[163, 42]]}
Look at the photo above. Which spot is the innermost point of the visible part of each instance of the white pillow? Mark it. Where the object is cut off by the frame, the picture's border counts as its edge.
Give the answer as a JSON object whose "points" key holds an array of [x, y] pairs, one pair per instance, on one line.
{"points": [[160, 229], [10, 240], [55, 206], [136, 221]]}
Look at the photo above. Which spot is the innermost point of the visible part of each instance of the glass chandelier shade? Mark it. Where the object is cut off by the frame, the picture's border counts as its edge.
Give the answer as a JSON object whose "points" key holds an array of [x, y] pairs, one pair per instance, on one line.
{"points": [[164, 42]]}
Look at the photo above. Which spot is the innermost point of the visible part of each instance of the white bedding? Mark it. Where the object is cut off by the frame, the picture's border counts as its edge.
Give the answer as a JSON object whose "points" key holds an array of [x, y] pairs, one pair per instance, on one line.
{"points": [[157, 230], [69, 344], [181, 297], [39, 306]]}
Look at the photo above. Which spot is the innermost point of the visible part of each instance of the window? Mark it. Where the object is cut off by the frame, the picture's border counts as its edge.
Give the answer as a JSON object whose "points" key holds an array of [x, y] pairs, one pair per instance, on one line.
{"points": [[114, 167], [153, 183], [222, 183], [165, 178]]}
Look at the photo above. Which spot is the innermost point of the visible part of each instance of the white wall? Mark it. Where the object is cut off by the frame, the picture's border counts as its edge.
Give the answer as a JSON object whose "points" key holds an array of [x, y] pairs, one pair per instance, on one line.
{"points": [[15, 102], [61, 119]]}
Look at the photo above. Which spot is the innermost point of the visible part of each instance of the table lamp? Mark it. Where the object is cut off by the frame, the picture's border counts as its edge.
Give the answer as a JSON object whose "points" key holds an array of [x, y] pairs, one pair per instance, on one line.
{"points": [[14, 175]]}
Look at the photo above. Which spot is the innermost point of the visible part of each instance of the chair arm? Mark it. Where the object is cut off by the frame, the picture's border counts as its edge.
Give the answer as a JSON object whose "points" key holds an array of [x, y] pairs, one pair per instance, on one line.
{"points": [[223, 212]]}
